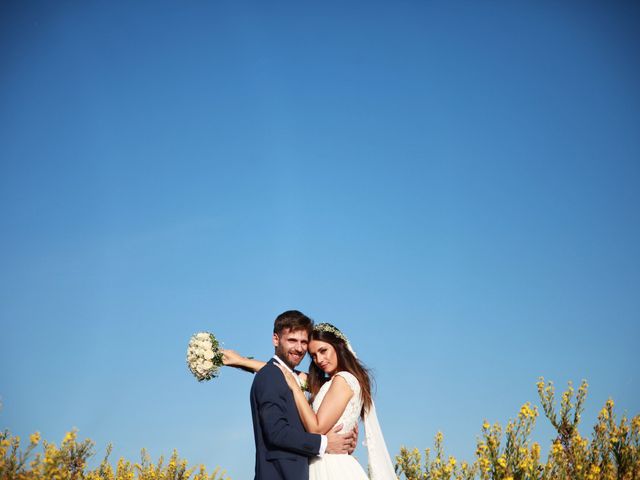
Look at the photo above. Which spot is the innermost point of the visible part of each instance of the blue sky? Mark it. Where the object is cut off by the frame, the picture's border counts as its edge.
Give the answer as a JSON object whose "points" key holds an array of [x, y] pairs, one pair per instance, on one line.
{"points": [[454, 184]]}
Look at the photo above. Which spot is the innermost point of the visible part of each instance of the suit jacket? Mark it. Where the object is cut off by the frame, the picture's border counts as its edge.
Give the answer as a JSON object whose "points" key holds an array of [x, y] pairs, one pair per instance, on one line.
{"points": [[283, 447]]}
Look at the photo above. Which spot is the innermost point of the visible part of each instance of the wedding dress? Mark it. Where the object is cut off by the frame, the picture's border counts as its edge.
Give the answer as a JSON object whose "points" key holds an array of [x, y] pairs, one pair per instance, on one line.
{"points": [[346, 467]]}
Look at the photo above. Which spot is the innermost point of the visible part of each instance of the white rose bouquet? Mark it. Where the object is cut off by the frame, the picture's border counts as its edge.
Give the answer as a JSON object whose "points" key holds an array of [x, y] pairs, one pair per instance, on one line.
{"points": [[204, 356]]}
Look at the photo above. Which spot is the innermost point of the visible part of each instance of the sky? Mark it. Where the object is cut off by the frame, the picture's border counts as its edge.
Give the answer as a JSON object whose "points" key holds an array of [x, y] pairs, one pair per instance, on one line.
{"points": [[455, 185]]}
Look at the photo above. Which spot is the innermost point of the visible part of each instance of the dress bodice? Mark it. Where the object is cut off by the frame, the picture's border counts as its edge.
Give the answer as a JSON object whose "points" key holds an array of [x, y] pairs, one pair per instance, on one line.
{"points": [[349, 417]]}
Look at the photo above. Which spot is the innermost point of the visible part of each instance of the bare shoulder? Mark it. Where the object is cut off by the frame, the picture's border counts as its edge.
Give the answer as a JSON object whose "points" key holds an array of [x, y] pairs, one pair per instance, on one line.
{"points": [[340, 384], [348, 379]]}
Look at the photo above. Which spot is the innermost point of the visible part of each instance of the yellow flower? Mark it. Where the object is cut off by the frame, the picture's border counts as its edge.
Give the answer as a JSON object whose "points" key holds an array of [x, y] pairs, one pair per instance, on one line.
{"points": [[526, 411], [70, 437], [557, 448], [502, 461], [35, 438], [535, 450], [527, 463]]}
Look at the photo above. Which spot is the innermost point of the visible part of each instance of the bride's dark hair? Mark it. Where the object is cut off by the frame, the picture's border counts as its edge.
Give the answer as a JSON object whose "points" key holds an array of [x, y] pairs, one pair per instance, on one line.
{"points": [[346, 362]]}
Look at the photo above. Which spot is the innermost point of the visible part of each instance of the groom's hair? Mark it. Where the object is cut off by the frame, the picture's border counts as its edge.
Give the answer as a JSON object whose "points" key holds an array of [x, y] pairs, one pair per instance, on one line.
{"points": [[292, 320]]}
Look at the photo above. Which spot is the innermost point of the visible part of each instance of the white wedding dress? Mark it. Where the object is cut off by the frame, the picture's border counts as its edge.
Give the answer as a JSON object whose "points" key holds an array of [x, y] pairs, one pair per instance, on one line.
{"points": [[346, 467]]}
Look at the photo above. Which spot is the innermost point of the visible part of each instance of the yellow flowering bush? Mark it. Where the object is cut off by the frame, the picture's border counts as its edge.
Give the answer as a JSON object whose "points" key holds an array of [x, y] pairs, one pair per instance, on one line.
{"points": [[613, 453], [410, 463], [69, 462]]}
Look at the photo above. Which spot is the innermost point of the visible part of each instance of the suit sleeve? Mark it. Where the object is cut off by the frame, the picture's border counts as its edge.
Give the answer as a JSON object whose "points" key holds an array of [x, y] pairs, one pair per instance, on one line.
{"points": [[276, 427]]}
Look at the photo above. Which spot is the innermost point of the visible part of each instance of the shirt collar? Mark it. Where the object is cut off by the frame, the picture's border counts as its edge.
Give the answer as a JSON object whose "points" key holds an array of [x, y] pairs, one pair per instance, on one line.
{"points": [[279, 360], [295, 375]]}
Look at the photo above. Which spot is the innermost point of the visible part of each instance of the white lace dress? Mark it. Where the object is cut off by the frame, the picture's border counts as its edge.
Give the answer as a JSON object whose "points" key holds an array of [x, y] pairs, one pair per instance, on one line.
{"points": [[335, 466]]}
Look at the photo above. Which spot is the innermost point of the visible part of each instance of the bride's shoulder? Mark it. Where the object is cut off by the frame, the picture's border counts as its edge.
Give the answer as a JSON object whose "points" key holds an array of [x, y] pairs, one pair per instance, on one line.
{"points": [[350, 378]]}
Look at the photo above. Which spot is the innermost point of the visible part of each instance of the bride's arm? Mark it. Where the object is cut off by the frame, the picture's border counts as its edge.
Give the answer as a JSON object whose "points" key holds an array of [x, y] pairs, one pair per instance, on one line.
{"points": [[333, 404], [230, 358]]}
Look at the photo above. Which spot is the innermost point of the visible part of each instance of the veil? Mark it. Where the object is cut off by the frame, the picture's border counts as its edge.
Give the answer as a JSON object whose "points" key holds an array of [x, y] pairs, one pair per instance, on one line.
{"points": [[380, 465]]}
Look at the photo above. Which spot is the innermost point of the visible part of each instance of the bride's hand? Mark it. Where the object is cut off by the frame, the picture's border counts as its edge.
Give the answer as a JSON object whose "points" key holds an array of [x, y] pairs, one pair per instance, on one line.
{"points": [[230, 358], [288, 376]]}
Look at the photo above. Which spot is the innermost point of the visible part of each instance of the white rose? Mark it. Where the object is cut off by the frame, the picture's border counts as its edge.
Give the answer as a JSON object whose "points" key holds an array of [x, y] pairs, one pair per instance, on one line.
{"points": [[208, 365], [208, 355], [202, 336]]}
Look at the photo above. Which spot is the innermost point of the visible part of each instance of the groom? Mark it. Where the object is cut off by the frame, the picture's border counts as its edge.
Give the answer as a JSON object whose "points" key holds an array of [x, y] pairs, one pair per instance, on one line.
{"points": [[283, 448]]}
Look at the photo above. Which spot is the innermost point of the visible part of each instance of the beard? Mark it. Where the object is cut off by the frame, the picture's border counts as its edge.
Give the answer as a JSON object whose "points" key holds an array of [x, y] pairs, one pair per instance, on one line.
{"points": [[289, 357]]}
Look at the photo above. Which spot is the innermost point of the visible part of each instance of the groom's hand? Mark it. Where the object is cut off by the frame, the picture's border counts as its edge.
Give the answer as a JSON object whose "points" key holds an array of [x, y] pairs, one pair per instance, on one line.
{"points": [[338, 443], [355, 441]]}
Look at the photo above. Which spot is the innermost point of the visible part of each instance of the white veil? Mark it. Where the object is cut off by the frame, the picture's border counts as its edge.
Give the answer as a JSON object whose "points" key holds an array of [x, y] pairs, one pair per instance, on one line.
{"points": [[380, 465]]}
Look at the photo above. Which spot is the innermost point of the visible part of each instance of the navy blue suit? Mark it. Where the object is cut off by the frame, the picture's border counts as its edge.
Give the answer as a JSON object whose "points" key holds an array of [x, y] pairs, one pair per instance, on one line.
{"points": [[283, 447]]}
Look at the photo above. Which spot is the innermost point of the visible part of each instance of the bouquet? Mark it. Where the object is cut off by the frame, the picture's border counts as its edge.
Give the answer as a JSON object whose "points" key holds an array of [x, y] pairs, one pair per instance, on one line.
{"points": [[204, 356]]}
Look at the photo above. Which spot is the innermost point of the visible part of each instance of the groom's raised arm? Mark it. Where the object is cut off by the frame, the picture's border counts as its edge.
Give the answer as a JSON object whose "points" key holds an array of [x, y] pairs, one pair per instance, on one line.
{"points": [[276, 427]]}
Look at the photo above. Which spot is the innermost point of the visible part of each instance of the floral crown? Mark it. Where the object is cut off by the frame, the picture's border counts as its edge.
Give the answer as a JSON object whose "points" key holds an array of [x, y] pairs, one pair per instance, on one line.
{"points": [[327, 327]]}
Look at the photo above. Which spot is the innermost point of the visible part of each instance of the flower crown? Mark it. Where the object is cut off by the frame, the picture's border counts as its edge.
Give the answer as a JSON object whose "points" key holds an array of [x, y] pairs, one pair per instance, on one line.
{"points": [[327, 327]]}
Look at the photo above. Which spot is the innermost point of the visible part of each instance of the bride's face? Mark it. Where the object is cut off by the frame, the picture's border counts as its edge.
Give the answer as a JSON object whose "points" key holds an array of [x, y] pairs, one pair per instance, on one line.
{"points": [[324, 356]]}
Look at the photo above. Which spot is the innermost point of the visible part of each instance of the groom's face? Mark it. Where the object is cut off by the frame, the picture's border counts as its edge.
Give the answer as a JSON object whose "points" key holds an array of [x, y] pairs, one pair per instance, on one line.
{"points": [[291, 346]]}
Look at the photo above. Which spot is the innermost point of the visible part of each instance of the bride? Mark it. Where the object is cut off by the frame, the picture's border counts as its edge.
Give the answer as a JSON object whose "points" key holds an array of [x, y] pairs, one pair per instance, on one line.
{"points": [[340, 388]]}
